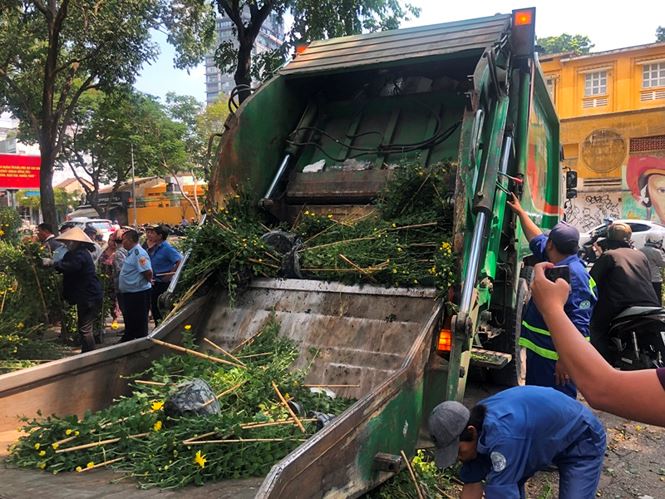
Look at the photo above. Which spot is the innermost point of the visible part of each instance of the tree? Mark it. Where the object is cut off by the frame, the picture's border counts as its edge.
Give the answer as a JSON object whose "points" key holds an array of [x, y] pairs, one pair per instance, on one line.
{"points": [[52, 52], [660, 34], [312, 19], [209, 125], [579, 44], [101, 140]]}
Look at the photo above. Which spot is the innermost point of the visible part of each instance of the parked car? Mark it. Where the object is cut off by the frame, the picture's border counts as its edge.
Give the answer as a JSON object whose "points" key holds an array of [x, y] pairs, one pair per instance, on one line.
{"points": [[103, 226], [642, 229]]}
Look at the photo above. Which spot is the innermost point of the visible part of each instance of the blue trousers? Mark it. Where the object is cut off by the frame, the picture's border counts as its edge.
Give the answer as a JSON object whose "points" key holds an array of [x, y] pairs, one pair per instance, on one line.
{"points": [[540, 372]]}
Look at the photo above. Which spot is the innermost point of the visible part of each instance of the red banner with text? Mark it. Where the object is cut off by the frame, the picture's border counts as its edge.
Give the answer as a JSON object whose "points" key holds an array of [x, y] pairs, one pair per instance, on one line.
{"points": [[19, 172]]}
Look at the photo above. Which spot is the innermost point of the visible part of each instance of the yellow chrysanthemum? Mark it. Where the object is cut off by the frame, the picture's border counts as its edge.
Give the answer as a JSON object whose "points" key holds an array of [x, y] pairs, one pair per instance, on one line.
{"points": [[200, 459], [157, 426], [79, 469], [90, 465], [42, 453], [37, 446], [156, 405], [55, 445], [41, 465], [188, 327], [76, 433], [68, 431], [114, 325], [20, 325]]}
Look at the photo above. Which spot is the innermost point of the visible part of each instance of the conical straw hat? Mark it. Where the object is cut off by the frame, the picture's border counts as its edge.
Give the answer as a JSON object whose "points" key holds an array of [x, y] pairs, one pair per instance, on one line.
{"points": [[75, 234]]}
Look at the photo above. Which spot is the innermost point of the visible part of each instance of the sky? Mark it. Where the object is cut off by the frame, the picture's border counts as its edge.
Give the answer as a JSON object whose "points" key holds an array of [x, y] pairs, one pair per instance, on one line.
{"points": [[609, 25]]}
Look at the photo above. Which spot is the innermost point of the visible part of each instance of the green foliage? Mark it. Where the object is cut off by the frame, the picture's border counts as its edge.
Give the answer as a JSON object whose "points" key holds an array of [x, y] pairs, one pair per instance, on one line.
{"points": [[162, 458], [434, 483], [312, 20], [660, 34], [51, 53], [578, 44], [404, 242], [10, 223]]}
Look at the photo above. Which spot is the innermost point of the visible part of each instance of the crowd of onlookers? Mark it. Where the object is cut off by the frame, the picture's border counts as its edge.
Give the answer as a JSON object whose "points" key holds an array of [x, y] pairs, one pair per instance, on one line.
{"points": [[138, 267]]}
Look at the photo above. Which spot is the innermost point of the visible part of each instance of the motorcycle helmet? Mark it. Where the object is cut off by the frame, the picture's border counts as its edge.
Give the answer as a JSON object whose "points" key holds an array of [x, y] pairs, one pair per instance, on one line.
{"points": [[620, 232]]}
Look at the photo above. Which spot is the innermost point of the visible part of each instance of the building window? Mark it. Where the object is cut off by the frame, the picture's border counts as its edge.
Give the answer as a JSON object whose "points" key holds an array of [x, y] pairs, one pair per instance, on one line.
{"points": [[595, 83], [653, 75], [550, 83]]}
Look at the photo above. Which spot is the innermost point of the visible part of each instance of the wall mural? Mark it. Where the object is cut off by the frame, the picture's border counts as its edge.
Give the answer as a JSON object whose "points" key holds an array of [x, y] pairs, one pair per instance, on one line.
{"points": [[642, 196]]}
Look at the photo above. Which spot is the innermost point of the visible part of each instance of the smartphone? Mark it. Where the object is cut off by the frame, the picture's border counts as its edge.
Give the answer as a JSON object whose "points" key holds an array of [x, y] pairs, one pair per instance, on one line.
{"points": [[558, 272]]}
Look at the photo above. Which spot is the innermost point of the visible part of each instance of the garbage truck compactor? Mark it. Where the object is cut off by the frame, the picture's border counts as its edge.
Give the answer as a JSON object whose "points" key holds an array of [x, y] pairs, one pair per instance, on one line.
{"points": [[345, 111]]}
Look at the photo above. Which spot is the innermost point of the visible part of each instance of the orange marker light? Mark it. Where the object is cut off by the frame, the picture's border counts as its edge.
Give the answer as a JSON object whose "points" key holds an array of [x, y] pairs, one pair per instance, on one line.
{"points": [[301, 47], [523, 17], [445, 340]]}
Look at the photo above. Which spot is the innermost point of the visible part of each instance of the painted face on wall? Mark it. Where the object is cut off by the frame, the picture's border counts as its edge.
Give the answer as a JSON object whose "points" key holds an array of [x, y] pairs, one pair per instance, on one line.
{"points": [[656, 189]]}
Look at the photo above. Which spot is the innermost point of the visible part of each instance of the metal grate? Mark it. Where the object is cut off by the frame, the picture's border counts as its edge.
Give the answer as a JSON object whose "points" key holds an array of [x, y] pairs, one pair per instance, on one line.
{"points": [[597, 102], [652, 95], [601, 182], [644, 144]]}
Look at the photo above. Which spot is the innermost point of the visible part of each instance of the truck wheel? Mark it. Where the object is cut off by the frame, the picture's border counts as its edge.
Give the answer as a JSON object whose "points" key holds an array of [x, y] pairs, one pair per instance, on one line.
{"points": [[513, 374]]}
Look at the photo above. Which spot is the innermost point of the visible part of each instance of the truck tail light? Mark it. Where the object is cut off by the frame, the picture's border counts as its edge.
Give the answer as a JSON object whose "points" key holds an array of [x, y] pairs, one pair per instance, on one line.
{"points": [[523, 39], [445, 342]]}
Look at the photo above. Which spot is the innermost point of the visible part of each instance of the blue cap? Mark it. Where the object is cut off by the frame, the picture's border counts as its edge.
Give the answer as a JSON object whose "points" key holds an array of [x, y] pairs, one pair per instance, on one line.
{"points": [[565, 237]]}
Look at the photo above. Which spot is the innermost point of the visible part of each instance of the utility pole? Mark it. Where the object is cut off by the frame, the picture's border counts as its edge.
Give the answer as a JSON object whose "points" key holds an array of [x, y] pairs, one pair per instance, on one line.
{"points": [[133, 183]]}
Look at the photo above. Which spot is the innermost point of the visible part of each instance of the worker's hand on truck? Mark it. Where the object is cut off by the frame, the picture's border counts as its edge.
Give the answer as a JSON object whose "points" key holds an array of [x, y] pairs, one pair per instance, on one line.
{"points": [[514, 204]]}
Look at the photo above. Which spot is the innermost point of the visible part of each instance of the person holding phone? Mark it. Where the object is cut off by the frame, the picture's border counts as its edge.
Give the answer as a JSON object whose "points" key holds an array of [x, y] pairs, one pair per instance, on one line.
{"points": [[559, 247], [637, 395]]}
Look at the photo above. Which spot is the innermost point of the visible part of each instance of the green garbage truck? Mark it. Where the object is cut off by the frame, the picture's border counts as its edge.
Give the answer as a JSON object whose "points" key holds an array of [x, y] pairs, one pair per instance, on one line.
{"points": [[324, 133]]}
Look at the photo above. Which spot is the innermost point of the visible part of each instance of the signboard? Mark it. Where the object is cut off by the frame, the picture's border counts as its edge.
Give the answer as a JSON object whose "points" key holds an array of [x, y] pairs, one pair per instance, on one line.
{"points": [[19, 172]]}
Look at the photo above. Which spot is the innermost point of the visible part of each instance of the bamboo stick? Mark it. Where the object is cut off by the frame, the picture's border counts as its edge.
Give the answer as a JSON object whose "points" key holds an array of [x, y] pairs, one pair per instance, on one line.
{"points": [[205, 435], [332, 386], [246, 440], [41, 294], [105, 463], [215, 345], [413, 476], [251, 426], [272, 265], [247, 341], [97, 444], [63, 441], [191, 352], [357, 267], [145, 382], [254, 355], [288, 407], [368, 238], [225, 392]]}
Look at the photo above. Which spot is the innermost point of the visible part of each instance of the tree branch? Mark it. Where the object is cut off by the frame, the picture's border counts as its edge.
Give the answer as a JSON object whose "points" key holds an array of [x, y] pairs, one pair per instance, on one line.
{"points": [[86, 85]]}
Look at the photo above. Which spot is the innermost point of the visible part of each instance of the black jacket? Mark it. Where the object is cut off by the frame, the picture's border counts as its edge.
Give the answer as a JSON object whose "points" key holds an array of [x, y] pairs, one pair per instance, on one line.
{"points": [[80, 283], [624, 280]]}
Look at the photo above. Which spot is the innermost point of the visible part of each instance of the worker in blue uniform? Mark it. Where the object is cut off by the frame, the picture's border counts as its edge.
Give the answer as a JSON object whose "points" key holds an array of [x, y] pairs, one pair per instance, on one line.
{"points": [[508, 437], [560, 247]]}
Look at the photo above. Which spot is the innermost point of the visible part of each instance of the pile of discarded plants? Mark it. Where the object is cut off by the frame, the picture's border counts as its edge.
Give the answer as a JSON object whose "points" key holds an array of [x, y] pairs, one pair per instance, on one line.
{"points": [[192, 418]]}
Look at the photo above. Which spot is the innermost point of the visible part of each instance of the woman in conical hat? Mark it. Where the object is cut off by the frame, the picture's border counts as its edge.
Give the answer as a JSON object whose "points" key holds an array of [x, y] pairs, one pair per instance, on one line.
{"points": [[80, 284]]}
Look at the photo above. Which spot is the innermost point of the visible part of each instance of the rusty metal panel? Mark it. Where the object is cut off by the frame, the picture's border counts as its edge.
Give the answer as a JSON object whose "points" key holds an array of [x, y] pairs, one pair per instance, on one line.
{"points": [[409, 44], [337, 186]]}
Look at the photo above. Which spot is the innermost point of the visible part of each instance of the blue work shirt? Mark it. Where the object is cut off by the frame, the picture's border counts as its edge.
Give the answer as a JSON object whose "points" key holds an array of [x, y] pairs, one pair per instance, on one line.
{"points": [[131, 278], [163, 258], [527, 428], [535, 336]]}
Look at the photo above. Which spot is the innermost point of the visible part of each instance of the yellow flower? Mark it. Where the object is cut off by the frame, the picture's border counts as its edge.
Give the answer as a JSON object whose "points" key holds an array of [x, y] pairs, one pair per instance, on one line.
{"points": [[156, 405], [79, 469], [76, 433], [42, 453], [330, 216], [41, 465], [2, 232], [200, 460], [68, 432], [157, 426], [188, 327], [114, 325], [90, 465], [37, 446], [55, 445], [20, 325]]}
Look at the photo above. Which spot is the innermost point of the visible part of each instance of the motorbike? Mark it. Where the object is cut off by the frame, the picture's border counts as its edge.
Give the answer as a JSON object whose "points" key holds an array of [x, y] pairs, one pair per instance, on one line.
{"points": [[637, 338], [587, 252]]}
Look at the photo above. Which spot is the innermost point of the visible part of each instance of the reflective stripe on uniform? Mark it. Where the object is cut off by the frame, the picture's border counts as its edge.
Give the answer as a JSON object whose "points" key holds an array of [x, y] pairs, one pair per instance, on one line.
{"points": [[543, 352], [535, 329], [592, 287]]}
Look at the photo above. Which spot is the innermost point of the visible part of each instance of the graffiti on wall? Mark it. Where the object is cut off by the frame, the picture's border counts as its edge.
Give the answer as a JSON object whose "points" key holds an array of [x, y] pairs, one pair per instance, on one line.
{"points": [[590, 209]]}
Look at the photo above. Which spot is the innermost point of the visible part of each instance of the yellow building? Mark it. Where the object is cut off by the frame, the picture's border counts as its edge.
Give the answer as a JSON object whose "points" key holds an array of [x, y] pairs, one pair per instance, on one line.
{"points": [[612, 111]]}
